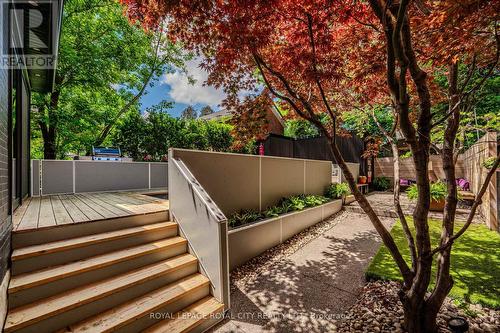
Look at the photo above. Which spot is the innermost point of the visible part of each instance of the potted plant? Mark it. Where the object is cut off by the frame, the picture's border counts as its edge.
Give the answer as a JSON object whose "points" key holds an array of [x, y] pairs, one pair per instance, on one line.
{"points": [[362, 180], [438, 192]]}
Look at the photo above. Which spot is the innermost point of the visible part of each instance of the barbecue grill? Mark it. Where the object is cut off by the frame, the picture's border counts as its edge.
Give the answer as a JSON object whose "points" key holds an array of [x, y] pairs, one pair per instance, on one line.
{"points": [[106, 154]]}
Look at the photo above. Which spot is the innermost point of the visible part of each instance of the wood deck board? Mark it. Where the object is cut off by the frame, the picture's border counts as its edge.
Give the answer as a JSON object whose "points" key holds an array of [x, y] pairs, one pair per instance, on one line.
{"points": [[150, 203], [46, 216], [96, 207], [30, 218], [117, 203], [60, 213], [75, 213], [19, 213], [85, 209], [58, 210], [128, 203], [97, 200]]}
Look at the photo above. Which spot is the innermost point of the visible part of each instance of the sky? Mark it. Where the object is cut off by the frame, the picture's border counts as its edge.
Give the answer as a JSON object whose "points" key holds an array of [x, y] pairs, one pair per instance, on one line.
{"points": [[176, 88]]}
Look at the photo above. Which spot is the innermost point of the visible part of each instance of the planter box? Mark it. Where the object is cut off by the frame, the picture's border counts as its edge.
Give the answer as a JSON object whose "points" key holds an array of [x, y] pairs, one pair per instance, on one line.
{"points": [[250, 240], [437, 206]]}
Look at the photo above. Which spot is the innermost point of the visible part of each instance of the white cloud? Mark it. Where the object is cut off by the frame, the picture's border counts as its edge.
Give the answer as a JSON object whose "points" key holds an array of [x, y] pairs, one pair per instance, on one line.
{"points": [[181, 91]]}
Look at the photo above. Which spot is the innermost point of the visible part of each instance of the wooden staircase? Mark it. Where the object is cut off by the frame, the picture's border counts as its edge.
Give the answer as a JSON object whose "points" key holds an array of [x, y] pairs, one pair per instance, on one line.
{"points": [[133, 276]]}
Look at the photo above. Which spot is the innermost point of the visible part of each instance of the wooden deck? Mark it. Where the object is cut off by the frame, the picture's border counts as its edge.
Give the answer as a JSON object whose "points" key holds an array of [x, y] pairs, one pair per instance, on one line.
{"points": [[58, 210]]}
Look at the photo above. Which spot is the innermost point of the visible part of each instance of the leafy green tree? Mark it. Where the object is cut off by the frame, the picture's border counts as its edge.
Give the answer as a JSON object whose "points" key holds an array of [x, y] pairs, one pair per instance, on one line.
{"points": [[219, 135], [130, 135], [479, 107], [300, 129], [189, 113], [153, 133], [105, 65], [363, 124]]}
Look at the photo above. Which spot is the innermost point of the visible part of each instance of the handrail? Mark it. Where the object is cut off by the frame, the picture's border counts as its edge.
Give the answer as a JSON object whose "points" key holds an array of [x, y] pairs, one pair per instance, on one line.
{"points": [[202, 194], [203, 224]]}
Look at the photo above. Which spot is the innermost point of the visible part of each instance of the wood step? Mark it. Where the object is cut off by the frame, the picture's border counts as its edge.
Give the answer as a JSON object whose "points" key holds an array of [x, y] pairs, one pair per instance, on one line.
{"points": [[129, 312], [41, 310], [205, 310], [67, 244], [24, 238], [29, 280]]}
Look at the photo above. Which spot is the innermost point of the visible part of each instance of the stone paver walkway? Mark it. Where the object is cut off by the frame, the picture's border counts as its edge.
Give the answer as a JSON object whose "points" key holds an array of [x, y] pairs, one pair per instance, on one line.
{"points": [[383, 204], [310, 289]]}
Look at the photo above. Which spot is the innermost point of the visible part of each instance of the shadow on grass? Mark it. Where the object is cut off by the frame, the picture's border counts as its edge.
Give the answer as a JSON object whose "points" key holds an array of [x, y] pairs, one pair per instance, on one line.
{"points": [[475, 263]]}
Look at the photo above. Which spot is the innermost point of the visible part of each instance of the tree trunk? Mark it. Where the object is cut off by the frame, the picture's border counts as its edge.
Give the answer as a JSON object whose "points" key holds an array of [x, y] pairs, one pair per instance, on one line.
{"points": [[49, 149], [368, 209], [49, 141], [419, 319]]}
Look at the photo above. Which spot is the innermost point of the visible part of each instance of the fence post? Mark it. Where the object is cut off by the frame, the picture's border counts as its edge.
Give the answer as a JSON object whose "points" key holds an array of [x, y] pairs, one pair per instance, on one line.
{"points": [[40, 178], [149, 175], [74, 177]]}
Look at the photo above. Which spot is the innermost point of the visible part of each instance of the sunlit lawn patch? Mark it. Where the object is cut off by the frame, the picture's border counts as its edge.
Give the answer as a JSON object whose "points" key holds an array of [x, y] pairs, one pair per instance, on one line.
{"points": [[475, 263]]}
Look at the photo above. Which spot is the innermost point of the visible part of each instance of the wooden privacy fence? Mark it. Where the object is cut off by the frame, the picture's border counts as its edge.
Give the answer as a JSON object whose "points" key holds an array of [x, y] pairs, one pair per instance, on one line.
{"points": [[469, 166], [384, 167], [64, 176]]}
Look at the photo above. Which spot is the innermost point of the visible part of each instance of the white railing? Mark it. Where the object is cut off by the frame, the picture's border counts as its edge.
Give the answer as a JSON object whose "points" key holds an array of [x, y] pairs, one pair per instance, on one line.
{"points": [[203, 224]]}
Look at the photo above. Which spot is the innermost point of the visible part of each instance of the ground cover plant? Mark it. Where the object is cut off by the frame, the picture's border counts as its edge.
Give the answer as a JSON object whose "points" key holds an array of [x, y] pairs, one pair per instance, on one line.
{"points": [[285, 205], [475, 262]]}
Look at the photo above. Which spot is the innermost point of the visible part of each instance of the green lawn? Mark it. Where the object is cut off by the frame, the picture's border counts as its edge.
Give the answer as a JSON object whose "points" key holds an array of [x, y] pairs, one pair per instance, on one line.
{"points": [[475, 263]]}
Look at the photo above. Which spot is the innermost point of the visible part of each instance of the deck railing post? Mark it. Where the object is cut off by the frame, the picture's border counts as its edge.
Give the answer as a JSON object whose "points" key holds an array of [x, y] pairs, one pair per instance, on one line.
{"points": [[40, 177], [149, 175]]}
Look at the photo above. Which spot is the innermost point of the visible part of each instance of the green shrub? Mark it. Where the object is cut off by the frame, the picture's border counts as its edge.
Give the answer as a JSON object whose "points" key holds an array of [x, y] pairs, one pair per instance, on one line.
{"points": [[438, 191], [408, 154], [331, 191], [273, 211], [314, 200], [381, 183], [488, 163], [285, 205], [337, 190], [297, 202], [244, 217]]}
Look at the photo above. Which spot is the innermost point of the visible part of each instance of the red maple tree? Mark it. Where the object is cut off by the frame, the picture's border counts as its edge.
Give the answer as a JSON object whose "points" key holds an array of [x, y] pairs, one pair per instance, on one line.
{"points": [[323, 56]]}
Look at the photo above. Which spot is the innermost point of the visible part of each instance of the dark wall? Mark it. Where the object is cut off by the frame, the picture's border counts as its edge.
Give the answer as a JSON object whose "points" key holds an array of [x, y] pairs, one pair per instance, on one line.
{"points": [[5, 219], [317, 148]]}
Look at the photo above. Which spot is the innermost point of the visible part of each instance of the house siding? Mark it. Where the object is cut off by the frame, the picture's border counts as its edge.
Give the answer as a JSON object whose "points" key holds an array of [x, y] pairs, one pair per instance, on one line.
{"points": [[5, 218]]}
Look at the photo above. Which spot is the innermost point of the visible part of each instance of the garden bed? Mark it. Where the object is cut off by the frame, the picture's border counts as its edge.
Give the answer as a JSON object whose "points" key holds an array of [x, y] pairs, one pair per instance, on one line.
{"points": [[252, 239]]}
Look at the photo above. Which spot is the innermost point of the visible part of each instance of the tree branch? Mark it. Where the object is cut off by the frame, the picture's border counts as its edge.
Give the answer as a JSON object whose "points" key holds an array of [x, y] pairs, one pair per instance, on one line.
{"points": [[396, 188]]}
